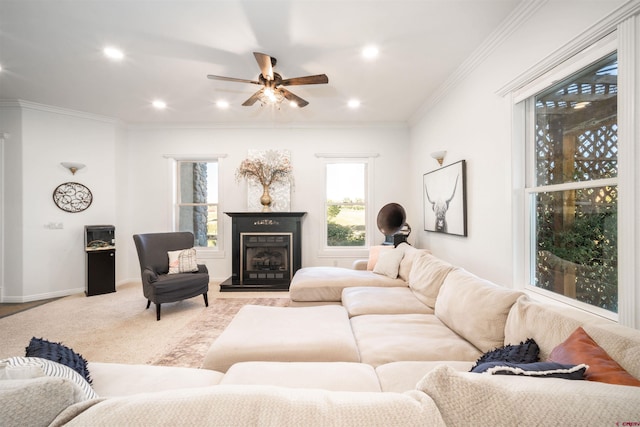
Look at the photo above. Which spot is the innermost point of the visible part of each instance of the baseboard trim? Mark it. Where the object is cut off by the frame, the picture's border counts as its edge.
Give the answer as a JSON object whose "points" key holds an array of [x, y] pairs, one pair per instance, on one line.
{"points": [[37, 297]]}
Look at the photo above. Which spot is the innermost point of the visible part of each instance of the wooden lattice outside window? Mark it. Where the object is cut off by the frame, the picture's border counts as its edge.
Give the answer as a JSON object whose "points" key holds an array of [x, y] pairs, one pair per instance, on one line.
{"points": [[575, 191]]}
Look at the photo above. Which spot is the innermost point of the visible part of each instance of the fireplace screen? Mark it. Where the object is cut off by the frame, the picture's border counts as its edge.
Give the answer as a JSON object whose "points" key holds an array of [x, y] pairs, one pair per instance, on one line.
{"points": [[266, 257]]}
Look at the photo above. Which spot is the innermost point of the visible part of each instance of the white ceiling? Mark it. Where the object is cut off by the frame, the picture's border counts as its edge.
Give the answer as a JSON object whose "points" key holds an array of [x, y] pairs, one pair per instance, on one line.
{"points": [[51, 53]]}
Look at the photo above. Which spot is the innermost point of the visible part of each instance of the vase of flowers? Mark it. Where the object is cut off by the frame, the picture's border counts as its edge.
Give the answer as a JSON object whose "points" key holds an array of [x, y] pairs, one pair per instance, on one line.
{"points": [[270, 169]]}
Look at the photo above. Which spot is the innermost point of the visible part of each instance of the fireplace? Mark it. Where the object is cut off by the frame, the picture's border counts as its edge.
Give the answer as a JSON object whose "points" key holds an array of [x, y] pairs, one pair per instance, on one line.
{"points": [[266, 250], [265, 256]]}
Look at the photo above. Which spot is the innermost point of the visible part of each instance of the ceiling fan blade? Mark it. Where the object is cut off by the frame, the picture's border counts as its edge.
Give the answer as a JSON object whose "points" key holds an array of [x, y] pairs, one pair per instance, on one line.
{"points": [[307, 80], [291, 97], [253, 98], [232, 79], [265, 62]]}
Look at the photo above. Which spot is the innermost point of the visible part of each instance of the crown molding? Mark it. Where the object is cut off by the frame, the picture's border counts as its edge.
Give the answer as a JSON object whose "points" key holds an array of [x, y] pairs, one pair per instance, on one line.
{"points": [[267, 126], [590, 36], [522, 13], [28, 105]]}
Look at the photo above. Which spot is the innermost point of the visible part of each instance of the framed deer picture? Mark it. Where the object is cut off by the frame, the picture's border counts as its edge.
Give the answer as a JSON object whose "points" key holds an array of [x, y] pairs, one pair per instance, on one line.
{"points": [[445, 199]]}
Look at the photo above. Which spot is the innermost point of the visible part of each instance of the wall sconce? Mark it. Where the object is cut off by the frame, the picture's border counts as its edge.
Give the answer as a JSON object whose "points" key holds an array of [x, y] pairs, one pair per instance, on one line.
{"points": [[73, 167], [439, 156]]}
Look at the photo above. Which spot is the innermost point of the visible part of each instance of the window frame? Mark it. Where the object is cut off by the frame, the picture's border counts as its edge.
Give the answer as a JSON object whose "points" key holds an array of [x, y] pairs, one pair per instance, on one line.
{"points": [[174, 160], [348, 251], [620, 30], [531, 187]]}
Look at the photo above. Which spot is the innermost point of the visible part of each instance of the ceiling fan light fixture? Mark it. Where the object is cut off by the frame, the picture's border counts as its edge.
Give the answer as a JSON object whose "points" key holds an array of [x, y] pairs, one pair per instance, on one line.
{"points": [[271, 96], [274, 88]]}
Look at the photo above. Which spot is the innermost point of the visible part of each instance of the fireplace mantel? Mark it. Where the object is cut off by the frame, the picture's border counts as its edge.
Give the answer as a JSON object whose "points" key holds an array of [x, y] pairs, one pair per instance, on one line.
{"points": [[263, 224]]}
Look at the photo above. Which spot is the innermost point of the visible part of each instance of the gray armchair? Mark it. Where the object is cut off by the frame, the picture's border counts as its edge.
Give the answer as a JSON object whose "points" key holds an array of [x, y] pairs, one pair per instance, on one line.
{"points": [[158, 286]]}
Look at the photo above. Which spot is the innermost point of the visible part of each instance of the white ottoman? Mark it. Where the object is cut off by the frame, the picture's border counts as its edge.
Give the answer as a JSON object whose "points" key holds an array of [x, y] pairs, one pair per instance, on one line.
{"points": [[284, 334]]}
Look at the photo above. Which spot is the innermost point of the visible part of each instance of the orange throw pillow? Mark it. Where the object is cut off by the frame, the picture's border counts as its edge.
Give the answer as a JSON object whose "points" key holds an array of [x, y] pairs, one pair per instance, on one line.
{"points": [[581, 348]]}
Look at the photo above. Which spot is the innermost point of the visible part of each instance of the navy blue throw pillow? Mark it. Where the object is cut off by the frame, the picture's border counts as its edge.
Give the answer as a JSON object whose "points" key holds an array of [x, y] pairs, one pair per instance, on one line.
{"points": [[525, 352], [538, 369], [57, 352]]}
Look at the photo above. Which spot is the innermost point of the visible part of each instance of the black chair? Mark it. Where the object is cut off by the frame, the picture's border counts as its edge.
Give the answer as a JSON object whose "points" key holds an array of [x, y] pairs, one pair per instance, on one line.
{"points": [[158, 286]]}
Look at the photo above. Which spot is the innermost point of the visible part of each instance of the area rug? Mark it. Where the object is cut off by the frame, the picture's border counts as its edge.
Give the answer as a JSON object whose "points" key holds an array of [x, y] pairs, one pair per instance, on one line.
{"points": [[190, 347], [117, 328]]}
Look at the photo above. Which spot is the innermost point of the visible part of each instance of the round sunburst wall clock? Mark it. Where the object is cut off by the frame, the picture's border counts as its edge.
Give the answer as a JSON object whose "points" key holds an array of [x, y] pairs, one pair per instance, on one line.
{"points": [[72, 197]]}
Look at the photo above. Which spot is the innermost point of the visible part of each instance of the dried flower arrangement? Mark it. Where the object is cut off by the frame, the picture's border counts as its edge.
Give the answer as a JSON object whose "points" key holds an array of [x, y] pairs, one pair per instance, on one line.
{"points": [[271, 169]]}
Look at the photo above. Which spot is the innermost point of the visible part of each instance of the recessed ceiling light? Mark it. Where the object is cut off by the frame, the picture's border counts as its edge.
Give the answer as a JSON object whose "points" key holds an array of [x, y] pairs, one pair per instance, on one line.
{"points": [[353, 103], [293, 104], [222, 104], [159, 104], [370, 52], [113, 53]]}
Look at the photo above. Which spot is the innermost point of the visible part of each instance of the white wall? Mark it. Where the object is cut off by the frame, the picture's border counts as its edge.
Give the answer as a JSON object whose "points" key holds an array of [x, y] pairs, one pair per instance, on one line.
{"points": [[147, 196], [130, 179], [473, 123], [11, 124], [43, 262]]}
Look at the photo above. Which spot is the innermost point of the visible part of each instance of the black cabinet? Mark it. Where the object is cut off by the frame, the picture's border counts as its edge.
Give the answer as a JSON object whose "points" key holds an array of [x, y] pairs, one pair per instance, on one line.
{"points": [[100, 247], [101, 272]]}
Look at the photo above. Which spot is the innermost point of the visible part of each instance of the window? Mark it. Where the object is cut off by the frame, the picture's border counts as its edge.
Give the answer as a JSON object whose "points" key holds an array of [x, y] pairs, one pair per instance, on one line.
{"points": [[197, 206], [572, 186], [345, 203]]}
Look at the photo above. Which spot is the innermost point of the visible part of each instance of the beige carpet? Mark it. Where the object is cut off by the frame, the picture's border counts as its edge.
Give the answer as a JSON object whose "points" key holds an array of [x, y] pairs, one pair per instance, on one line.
{"points": [[116, 327]]}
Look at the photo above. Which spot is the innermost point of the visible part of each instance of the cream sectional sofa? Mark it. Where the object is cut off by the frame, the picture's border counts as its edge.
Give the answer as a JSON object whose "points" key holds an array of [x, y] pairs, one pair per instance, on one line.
{"points": [[382, 355], [318, 285]]}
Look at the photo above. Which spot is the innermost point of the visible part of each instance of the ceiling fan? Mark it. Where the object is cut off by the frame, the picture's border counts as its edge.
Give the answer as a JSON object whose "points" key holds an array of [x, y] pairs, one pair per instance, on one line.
{"points": [[273, 90]]}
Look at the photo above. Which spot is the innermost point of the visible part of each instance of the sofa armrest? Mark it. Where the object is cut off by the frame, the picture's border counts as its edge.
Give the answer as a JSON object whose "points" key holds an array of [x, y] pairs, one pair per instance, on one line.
{"points": [[360, 264]]}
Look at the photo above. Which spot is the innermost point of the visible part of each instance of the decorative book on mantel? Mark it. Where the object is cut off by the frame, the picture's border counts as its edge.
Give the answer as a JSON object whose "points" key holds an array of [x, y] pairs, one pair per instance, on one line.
{"points": [[269, 178]]}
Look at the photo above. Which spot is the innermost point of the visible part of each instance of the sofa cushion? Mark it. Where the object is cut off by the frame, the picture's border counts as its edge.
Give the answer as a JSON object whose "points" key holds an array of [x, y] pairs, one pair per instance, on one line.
{"points": [[475, 308], [579, 347], [399, 377], [116, 379], [389, 262], [410, 254], [426, 276], [374, 300], [327, 283], [336, 376], [284, 334], [503, 400], [550, 324], [35, 402], [374, 254], [238, 405], [395, 337]]}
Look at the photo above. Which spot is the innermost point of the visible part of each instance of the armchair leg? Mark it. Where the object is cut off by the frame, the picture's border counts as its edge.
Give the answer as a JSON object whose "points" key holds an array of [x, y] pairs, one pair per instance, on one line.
{"points": [[206, 299], [148, 304], [158, 311]]}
